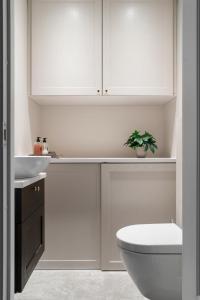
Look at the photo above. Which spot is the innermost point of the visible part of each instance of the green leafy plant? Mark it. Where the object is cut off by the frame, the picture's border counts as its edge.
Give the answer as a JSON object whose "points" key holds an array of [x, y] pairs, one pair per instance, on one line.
{"points": [[138, 140]]}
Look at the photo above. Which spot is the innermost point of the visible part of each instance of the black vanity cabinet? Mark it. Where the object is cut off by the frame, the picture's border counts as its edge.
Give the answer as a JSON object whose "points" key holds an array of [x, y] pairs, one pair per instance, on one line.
{"points": [[29, 231]]}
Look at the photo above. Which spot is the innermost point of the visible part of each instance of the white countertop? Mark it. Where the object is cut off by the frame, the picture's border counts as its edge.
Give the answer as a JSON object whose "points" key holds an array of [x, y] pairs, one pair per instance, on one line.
{"points": [[113, 160], [22, 183]]}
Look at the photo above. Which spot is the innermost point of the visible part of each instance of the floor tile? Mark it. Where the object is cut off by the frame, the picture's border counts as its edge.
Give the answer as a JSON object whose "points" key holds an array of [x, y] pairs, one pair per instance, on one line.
{"points": [[80, 285]]}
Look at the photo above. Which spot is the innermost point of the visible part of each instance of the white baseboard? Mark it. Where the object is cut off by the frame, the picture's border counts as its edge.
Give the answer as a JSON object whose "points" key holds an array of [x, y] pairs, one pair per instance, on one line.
{"points": [[80, 265], [68, 265], [112, 266]]}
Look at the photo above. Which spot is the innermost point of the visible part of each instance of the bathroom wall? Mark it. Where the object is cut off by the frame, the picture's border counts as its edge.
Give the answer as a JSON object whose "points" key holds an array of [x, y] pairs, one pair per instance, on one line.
{"points": [[170, 128], [27, 112], [179, 120], [34, 121], [99, 131], [173, 121]]}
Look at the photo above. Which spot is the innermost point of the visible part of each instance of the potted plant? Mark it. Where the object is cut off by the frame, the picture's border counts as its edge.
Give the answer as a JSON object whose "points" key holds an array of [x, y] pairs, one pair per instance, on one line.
{"points": [[142, 143]]}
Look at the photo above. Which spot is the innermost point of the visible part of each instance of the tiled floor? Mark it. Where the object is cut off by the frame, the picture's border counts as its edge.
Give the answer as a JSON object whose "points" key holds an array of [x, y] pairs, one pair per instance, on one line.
{"points": [[80, 285]]}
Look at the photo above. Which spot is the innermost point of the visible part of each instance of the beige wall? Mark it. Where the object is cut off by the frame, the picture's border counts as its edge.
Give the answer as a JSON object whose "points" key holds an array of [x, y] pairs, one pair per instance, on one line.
{"points": [[173, 122], [170, 128], [34, 120], [99, 131], [27, 124], [179, 120]]}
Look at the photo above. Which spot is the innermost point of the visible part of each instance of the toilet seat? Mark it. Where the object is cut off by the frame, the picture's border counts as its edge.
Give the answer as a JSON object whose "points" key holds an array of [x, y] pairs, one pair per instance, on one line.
{"points": [[151, 238]]}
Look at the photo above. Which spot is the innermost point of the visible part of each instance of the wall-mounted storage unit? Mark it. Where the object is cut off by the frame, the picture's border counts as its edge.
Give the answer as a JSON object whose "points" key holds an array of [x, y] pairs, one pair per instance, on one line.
{"points": [[138, 47], [66, 47], [96, 47]]}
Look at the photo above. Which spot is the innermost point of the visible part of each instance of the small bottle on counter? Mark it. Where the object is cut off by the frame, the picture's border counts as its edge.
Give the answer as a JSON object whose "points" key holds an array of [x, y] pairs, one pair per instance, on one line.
{"points": [[41, 143], [45, 147], [37, 148]]}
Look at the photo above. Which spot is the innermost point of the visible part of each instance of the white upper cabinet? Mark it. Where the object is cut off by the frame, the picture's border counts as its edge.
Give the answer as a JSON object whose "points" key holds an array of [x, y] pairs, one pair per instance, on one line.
{"points": [[66, 51], [102, 47], [138, 44]]}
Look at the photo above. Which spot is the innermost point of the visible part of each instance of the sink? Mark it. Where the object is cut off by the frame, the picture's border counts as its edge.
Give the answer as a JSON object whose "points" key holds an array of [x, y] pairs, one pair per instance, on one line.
{"points": [[30, 166]]}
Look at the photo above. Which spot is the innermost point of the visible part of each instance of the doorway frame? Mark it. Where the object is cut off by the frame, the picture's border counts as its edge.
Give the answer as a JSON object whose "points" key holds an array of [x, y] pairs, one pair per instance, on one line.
{"points": [[6, 151], [191, 151]]}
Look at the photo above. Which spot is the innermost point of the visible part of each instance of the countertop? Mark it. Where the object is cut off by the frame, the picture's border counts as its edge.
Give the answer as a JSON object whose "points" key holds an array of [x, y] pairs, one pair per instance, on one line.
{"points": [[112, 160], [22, 183]]}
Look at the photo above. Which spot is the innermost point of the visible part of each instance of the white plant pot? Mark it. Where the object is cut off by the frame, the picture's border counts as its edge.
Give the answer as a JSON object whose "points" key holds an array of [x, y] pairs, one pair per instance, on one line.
{"points": [[141, 153]]}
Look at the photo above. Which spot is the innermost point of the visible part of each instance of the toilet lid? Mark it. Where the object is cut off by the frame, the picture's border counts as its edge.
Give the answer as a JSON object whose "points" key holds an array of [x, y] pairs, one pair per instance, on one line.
{"points": [[151, 238]]}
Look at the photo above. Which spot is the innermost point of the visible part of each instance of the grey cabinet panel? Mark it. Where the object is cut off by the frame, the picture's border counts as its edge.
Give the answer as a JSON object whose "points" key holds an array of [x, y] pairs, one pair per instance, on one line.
{"points": [[72, 217], [123, 194], [134, 194]]}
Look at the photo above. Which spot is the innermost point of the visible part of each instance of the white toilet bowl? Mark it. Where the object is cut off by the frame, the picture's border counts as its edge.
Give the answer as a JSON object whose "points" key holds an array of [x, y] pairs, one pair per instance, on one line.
{"points": [[152, 256]]}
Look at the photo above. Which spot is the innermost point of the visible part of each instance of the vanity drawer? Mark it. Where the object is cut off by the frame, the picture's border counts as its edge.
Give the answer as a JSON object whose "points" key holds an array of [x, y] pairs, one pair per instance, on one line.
{"points": [[29, 247], [27, 200]]}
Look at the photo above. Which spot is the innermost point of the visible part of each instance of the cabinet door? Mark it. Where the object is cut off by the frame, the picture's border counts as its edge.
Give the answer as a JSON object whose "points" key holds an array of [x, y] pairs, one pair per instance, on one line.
{"points": [[29, 247], [138, 47], [28, 200], [66, 47], [72, 217], [134, 194]]}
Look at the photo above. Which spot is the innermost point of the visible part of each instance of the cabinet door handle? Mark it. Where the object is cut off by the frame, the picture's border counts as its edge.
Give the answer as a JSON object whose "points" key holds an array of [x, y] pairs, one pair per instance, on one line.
{"points": [[35, 188], [98, 92], [106, 91], [38, 189]]}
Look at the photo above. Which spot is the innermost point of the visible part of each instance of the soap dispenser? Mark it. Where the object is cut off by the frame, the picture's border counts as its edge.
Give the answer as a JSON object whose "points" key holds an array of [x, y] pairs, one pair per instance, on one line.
{"points": [[37, 148], [45, 147]]}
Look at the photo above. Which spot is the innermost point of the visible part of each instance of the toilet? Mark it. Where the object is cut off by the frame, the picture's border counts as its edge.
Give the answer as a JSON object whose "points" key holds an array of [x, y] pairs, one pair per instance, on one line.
{"points": [[152, 256]]}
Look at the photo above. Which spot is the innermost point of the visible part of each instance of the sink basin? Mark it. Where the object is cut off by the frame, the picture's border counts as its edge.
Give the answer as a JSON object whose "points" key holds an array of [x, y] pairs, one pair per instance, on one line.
{"points": [[30, 166]]}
